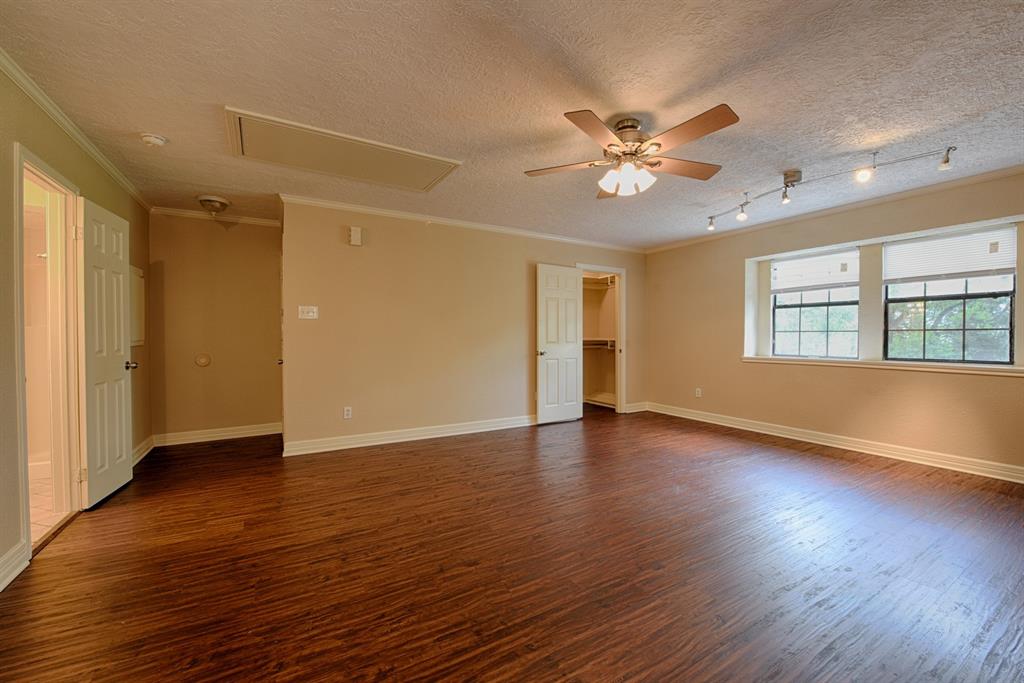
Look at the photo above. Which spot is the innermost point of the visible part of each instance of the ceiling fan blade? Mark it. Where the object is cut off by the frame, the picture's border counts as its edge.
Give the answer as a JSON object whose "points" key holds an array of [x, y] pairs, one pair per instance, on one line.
{"points": [[689, 169], [566, 167], [601, 194], [713, 119], [589, 123]]}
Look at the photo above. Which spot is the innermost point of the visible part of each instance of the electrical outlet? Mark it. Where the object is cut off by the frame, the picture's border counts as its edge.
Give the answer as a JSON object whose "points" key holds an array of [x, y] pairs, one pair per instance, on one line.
{"points": [[698, 392], [347, 413]]}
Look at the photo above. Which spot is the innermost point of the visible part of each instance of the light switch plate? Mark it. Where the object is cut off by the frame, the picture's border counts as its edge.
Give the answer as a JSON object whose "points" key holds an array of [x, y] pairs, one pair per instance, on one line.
{"points": [[309, 312]]}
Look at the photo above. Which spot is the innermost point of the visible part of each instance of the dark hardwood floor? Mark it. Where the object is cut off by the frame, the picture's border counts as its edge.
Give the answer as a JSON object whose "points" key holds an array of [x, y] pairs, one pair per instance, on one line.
{"points": [[634, 547]]}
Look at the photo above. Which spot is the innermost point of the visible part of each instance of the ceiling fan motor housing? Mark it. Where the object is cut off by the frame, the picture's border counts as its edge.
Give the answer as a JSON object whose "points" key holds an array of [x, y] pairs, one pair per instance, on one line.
{"points": [[628, 130]]}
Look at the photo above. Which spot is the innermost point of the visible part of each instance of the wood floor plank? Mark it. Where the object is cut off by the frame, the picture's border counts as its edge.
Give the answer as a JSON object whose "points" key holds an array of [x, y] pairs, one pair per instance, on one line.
{"points": [[620, 547]]}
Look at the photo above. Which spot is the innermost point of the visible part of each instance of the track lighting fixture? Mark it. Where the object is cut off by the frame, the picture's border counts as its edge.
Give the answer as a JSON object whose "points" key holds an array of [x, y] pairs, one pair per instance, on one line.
{"points": [[793, 177], [944, 165]]}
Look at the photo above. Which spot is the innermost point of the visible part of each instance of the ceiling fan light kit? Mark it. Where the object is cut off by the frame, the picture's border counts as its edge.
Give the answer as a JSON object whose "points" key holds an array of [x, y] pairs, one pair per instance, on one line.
{"points": [[632, 153]]}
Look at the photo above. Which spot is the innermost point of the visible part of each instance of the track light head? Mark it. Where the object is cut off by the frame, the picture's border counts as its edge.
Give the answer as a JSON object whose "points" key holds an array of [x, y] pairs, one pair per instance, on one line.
{"points": [[742, 214], [785, 195], [863, 175], [945, 165], [711, 223]]}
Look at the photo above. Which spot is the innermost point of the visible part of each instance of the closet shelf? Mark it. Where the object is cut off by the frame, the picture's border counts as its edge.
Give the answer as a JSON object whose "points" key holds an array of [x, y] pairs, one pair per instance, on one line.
{"points": [[599, 343]]}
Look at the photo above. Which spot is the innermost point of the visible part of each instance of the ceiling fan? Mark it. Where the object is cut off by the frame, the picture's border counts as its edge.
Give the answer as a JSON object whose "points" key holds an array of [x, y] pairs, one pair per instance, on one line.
{"points": [[632, 154]]}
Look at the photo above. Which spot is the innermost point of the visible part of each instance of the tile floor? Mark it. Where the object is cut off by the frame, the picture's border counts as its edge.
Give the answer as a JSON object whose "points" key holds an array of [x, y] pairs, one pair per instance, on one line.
{"points": [[41, 504]]}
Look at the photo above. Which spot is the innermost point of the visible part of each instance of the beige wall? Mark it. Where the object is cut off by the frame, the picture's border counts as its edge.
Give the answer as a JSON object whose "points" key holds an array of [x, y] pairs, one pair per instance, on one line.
{"points": [[21, 120], [426, 324], [214, 290], [695, 313]]}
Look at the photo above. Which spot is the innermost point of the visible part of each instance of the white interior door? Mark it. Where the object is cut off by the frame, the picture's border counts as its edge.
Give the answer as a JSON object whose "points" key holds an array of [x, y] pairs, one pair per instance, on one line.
{"points": [[105, 333], [559, 343]]}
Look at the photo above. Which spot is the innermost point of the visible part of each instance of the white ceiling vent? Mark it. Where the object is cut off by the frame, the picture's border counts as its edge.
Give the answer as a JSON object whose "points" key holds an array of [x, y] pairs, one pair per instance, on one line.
{"points": [[264, 138]]}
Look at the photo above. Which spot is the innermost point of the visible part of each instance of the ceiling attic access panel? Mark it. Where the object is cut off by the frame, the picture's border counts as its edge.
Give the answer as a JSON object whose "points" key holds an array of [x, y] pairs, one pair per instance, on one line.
{"points": [[268, 139]]}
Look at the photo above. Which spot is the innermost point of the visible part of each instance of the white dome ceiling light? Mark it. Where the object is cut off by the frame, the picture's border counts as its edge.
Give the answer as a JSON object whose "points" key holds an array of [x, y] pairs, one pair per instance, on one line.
{"points": [[213, 204], [153, 140]]}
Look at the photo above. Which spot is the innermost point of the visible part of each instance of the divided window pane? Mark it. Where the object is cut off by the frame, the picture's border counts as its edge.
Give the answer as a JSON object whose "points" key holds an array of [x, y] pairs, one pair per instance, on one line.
{"points": [[952, 320], [808, 324]]}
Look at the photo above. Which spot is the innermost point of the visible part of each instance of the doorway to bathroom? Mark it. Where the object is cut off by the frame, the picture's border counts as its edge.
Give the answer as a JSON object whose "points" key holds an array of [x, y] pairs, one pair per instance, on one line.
{"points": [[49, 300]]}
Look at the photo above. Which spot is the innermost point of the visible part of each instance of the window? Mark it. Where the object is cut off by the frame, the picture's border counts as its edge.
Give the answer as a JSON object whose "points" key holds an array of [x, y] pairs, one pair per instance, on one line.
{"points": [[816, 323], [963, 320], [951, 298], [948, 297], [815, 306]]}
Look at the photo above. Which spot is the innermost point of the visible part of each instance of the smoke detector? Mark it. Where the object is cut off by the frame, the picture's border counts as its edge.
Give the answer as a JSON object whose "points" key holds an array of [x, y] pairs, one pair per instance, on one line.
{"points": [[213, 203], [153, 140]]}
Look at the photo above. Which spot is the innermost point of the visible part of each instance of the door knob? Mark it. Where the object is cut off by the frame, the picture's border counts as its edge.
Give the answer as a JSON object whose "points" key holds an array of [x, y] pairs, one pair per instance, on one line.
{"points": [[130, 365], [542, 353]]}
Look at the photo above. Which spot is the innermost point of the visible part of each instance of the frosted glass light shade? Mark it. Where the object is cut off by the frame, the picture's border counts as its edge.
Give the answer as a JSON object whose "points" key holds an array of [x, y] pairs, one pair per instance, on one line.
{"points": [[627, 180], [644, 179], [610, 181]]}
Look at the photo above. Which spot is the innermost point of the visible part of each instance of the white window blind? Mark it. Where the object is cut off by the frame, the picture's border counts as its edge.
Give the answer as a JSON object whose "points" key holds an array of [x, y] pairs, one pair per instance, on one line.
{"points": [[816, 272], [987, 252]]}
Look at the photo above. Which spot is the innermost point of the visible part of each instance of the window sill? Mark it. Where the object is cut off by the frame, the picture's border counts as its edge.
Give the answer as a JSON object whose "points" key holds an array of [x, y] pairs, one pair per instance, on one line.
{"points": [[949, 368]]}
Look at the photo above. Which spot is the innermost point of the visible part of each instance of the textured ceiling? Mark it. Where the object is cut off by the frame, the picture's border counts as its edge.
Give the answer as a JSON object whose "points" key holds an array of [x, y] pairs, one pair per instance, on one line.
{"points": [[817, 85]]}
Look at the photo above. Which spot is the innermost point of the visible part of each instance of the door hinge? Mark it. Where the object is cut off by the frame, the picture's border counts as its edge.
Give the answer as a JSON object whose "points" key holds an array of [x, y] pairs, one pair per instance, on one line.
{"points": [[79, 232], [82, 476]]}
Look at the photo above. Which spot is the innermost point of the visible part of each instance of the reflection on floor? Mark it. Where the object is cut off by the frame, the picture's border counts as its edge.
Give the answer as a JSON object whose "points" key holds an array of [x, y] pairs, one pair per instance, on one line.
{"points": [[617, 547], [41, 502]]}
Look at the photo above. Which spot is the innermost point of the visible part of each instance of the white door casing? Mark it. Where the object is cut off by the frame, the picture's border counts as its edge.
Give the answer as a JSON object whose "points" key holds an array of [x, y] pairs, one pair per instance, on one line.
{"points": [[106, 391], [559, 343]]}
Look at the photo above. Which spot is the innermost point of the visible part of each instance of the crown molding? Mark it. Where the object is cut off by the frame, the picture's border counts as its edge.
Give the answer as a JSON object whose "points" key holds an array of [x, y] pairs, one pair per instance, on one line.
{"points": [[203, 216], [9, 67], [896, 196], [425, 218]]}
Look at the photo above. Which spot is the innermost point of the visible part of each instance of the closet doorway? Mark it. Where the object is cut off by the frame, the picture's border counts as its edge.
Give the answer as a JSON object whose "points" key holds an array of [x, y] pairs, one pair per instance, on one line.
{"points": [[604, 366], [49, 302]]}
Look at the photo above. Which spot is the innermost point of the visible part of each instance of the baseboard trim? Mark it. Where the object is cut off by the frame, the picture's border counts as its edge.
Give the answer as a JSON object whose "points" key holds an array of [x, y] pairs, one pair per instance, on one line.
{"points": [[201, 435], [948, 461], [142, 450], [638, 407], [338, 443], [39, 466], [604, 398], [14, 562]]}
